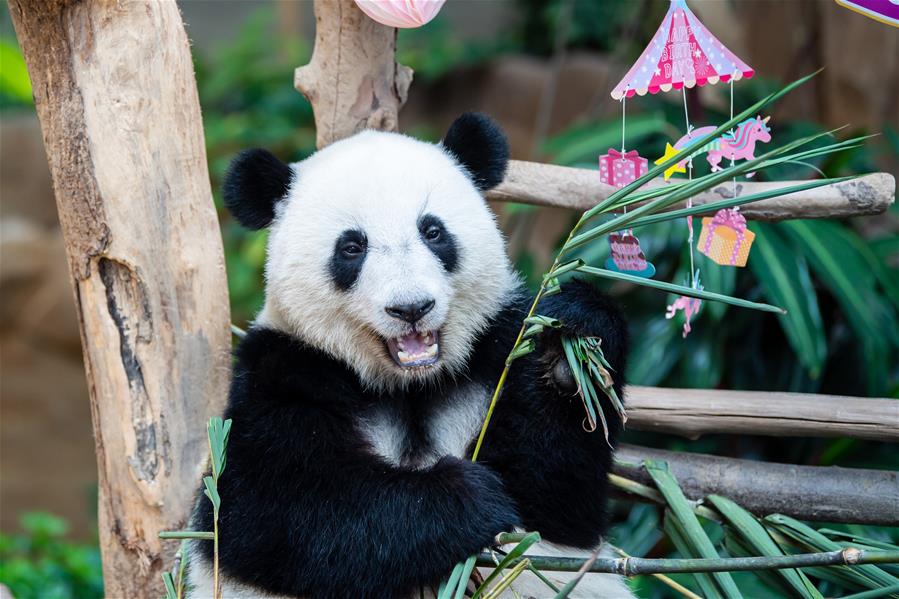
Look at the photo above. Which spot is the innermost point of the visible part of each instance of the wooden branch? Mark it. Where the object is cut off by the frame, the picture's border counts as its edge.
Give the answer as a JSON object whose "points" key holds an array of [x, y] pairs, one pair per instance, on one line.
{"points": [[353, 80], [828, 494], [695, 412], [117, 101], [580, 189]]}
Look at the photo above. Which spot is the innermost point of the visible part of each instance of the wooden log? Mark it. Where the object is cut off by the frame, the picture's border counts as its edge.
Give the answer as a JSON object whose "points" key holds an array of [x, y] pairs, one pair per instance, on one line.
{"points": [[826, 494], [353, 80], [115, 93], [695, 412], [580, 189]]}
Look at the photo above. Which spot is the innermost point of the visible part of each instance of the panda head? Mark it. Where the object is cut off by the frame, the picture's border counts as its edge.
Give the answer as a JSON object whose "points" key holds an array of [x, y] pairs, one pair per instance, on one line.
{"points": [[382, 251]]}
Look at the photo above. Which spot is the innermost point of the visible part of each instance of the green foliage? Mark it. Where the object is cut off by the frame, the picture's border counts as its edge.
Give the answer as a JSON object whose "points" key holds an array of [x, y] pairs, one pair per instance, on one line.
{"points": [[248, 100], [42, 564], [15, 86], [840, 289]]}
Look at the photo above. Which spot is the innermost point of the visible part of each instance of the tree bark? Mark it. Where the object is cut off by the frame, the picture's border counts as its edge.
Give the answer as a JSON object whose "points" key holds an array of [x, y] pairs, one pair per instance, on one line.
{"points": [[824, 494], [353, 80], [580, 189], [115, 93], [695, 412]]}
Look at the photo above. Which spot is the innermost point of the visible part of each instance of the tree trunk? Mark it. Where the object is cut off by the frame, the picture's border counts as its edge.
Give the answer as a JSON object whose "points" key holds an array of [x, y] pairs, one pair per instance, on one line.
{"points": [[353, 80], [115, 93]]}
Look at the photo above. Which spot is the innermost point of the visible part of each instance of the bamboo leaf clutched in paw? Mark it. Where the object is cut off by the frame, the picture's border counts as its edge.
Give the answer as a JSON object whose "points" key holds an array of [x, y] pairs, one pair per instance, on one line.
{"points": [[590, 370]]}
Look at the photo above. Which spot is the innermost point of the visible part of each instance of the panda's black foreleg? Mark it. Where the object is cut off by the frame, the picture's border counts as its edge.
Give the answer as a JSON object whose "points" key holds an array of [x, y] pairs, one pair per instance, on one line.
{"points": [[347, 524], [554, 468]]}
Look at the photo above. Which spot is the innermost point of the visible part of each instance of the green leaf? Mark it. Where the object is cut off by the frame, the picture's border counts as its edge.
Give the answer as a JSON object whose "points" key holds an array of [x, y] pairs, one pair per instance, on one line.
{"points": [[514, 553], [545, 321], [712, 207], [14, 80], [838, 265], [675, 531], [678, 289], [521, 350], [692, 529], [866, 575], [577, 145], [212, 493], [784, 275], [218, 433], [447, 589], [695, 149], [757, 538], [169, 586]]}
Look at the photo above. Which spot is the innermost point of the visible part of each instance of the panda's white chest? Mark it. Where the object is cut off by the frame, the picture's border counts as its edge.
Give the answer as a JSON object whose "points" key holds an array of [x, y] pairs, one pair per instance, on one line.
{"points": [[447, 430]]}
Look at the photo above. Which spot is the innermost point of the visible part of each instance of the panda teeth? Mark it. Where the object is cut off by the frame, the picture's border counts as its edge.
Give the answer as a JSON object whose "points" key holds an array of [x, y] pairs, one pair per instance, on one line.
{"points": [[432, 350]]}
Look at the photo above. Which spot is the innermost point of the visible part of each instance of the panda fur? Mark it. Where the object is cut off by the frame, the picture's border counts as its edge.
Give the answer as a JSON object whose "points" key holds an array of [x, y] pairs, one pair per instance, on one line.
{"points": [[349, 475]]}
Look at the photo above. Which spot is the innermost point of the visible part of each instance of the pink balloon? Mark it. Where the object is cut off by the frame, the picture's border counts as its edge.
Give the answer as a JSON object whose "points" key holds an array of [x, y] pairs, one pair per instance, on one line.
{"points": [[401, 13]]}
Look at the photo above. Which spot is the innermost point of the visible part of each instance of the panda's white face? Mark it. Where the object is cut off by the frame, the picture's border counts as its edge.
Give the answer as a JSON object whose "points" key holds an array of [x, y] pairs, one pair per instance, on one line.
{"points": [[385, 255]]}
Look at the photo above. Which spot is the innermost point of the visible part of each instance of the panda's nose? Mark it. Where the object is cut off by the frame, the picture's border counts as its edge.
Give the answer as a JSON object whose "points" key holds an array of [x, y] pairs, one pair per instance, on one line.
{"points": [[411, 312]]}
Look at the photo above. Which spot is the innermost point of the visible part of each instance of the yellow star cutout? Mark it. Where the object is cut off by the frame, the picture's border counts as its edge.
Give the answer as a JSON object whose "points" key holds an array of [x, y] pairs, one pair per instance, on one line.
{"points": [[674, 168]]}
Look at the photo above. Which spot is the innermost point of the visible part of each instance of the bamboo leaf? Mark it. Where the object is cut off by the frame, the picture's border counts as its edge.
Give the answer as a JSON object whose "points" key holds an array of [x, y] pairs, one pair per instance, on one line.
{"points": [[784, 275], [759, 541], [678, 537], [711, 207], [169, 586], [514, 553], [698, 185], [521, 350], [866, 575], [545, 321], [694, 149], [532, 331], [678, 289], [212, 493], [571, 584], [447, 589], [692, 529], [844, 272]]}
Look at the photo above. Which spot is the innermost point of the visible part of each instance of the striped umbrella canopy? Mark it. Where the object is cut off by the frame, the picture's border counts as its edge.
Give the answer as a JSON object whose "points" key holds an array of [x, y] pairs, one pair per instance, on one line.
{"points": [[682, 53]]}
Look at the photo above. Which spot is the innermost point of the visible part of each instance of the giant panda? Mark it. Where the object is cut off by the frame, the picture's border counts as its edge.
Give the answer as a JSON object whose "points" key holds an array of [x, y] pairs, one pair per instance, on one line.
{"points": [[361, 387]]}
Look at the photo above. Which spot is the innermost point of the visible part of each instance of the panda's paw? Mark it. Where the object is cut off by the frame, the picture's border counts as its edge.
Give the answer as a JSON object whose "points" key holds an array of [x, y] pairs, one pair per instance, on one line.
{"points": [[489, 509]]}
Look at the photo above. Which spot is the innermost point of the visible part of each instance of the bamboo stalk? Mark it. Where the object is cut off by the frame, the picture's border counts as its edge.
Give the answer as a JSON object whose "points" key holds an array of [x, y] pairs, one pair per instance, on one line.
{"points": [[635, 566]]}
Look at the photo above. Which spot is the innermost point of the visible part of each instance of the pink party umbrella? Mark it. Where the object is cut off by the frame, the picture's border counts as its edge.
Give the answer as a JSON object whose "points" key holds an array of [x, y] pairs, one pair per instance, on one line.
{"points": [[682, 53]]}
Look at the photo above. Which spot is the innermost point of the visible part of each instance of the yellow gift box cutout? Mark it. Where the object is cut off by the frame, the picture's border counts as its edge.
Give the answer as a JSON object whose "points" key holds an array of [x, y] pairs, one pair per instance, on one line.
{"points": [[725, 238]]}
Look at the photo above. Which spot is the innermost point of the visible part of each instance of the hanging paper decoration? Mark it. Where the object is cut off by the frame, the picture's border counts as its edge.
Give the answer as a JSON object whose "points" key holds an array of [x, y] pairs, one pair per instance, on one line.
{"points": [[620, 169], [738, 145], [677, 167], [627, 255], [725, 238], [682, 53], [405, 14], [689, 305]]}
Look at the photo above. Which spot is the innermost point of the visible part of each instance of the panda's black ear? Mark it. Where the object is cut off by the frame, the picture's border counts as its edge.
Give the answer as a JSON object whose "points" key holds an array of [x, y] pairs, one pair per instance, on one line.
{"points": [[480, 146], [255, 182]]}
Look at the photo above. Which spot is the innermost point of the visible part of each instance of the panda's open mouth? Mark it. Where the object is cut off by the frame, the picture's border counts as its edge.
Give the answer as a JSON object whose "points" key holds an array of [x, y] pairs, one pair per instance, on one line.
{"points": [[415, 350]]}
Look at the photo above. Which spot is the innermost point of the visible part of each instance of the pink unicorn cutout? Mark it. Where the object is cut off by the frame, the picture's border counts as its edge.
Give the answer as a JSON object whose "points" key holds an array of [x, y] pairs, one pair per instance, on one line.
{"points": [[740, 145], [690, 306]]}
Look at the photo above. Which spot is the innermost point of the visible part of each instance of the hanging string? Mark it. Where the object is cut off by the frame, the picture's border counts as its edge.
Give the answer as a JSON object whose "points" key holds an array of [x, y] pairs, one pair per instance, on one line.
{"points": [[733, 138], [623, 101], [690, 199]]}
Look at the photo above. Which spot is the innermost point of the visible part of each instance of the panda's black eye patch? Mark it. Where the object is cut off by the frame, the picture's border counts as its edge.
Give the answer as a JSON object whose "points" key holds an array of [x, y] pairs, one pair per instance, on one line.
{"points": [[440, 241], [347, 259]]}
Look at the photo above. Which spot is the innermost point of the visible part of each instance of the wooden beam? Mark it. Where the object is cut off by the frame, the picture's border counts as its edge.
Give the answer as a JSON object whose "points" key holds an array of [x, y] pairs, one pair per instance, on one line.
{"points": [[695, 412], [115, 93], [353, 80], [825, 494], [580, 189]]}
